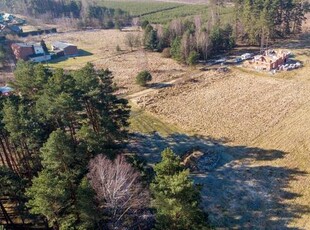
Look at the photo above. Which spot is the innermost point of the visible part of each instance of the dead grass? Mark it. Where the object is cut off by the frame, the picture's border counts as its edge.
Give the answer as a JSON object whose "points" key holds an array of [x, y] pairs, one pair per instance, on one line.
{"points": [[101, 46], [236, 106], [253, 188]]}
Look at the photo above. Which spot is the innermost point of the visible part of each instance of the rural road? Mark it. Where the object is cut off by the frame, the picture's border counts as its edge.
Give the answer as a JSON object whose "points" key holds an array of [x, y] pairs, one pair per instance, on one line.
{"points": [[151, 90], [157, 86]]}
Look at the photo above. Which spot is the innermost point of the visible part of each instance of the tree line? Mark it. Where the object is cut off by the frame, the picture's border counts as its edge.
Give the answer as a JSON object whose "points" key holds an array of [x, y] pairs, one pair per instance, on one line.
{"points": [[254, 23], [62, 135], [190, 39], [86, 13], [259, 21]]}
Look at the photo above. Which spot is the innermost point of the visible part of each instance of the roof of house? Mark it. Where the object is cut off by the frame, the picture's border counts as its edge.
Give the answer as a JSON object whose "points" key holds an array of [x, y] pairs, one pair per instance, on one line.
{"points": [[15, 28], [62, 45], [29, 44], [25, 45]]}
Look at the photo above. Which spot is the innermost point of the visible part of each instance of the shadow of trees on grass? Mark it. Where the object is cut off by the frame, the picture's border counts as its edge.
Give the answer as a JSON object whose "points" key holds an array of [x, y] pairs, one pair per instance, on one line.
{"points": [[243, 191]]}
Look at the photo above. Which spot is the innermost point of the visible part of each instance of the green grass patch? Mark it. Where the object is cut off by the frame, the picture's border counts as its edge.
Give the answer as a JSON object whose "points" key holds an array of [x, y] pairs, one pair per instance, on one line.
{"points": [[144, 122]]}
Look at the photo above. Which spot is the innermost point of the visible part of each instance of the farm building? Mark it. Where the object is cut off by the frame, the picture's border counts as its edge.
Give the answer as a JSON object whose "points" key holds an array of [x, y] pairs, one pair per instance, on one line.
{"points": [[30, 51], [64, 48], [22, 50], [16, 29], [270, 60]]}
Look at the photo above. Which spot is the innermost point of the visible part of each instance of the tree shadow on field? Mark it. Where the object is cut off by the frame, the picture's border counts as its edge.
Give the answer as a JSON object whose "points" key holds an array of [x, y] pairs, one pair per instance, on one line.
{"points": [[240, 192], [160, 85]]}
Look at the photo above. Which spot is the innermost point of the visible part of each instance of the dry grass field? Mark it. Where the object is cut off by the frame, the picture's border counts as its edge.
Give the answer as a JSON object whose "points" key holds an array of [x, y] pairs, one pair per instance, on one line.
{"points": [[236, 106], [99, 47], [260, 124]]}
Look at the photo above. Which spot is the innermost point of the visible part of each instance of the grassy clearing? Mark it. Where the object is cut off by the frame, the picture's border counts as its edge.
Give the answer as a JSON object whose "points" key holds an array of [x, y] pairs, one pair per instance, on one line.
{"points": [[144, 122]]}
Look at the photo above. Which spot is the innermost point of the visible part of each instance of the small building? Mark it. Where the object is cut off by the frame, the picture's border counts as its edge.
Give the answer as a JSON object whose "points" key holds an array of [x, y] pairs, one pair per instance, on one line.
{"points": [[22, 50], [67, 48]]}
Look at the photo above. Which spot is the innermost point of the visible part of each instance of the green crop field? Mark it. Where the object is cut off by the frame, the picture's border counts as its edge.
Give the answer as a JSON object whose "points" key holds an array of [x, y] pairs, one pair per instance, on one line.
{"points": [[138, 8], [163, 12], [186, 11], [179, 12]]}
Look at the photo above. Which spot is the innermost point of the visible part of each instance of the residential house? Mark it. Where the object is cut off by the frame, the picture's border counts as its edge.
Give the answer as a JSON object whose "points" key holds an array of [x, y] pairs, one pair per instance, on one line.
{"points": [[64, 48], [270, 60]]}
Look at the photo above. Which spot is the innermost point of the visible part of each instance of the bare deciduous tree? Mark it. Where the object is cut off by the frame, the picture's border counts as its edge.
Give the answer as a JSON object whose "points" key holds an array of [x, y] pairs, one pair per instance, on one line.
{"points": [[176, 27], [119, 190], [130, 40]]}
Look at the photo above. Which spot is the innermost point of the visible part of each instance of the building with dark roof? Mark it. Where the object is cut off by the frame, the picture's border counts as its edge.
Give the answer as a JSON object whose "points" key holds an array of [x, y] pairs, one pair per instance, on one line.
{"points": [[67, 48]]}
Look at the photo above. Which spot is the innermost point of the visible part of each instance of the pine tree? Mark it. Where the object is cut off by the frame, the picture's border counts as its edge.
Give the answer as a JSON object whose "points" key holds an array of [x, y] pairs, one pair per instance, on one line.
{"points": [[176, 198], [55, 192]]}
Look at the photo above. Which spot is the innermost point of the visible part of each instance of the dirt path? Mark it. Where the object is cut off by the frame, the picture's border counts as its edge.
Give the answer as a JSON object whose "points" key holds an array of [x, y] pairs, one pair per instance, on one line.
{"points": [[133, 97]]}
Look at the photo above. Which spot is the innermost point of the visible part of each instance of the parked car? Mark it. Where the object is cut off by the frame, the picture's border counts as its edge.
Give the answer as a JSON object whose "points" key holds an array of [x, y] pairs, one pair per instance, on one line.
{"points": [[246, 56]]}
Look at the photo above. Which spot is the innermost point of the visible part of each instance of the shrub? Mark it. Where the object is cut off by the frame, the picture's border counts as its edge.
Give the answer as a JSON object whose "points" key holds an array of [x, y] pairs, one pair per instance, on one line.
{"points": [[192, 58], [144, 24], [166, 53], [143, 77], [176, 49]]}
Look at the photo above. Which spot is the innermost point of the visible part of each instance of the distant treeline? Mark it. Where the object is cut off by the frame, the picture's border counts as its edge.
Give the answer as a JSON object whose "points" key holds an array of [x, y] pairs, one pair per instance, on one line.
{"points": [[258, 21], [87, 13]]}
